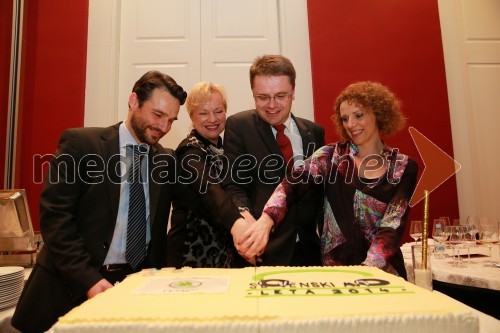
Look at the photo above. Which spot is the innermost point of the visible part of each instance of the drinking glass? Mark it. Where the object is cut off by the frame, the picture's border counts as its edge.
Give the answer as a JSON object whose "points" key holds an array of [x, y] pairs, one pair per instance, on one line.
{"points": [[455, 240], [416, 230], [439, 235], [422, 274], [472, 220], [482, 221], [489, 236], [446, 220], [470, 238]]}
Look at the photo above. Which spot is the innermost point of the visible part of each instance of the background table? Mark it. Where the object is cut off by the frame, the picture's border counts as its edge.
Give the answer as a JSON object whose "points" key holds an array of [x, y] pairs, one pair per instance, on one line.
{"points": [[474, 284]]}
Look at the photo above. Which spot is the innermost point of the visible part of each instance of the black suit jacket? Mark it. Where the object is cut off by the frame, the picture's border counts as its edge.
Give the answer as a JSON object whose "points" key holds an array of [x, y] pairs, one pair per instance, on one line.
{"points": [[78, 211], [252, 152]]}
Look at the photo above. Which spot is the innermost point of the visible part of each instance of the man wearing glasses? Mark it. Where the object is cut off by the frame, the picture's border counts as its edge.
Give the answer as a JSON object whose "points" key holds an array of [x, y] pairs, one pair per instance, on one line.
{"points": [[262, 145]]}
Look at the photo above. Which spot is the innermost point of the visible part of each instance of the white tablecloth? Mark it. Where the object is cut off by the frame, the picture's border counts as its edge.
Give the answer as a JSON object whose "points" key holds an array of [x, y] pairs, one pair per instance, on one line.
{"points": [[474, 274]]}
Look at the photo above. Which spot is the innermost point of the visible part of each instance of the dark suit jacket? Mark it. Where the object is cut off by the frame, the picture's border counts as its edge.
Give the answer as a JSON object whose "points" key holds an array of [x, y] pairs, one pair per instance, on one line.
{"points": [[78, 210], [252, 150]]}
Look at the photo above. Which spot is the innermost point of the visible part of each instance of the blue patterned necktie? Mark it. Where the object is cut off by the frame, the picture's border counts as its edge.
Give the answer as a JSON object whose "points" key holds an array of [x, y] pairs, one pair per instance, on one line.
{"points": [[136, 227]]}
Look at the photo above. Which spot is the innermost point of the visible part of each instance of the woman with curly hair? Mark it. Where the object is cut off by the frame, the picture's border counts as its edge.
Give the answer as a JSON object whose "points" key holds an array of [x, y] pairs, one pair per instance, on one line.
{"points": [[367, 185]]}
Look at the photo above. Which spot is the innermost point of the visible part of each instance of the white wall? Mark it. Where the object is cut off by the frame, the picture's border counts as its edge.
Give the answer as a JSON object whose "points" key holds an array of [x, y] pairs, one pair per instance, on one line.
{"points": [[103, 105]]}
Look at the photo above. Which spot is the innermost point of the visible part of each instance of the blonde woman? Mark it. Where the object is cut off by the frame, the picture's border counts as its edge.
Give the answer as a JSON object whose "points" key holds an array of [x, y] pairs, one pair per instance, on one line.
{"points": [[202, 237]]}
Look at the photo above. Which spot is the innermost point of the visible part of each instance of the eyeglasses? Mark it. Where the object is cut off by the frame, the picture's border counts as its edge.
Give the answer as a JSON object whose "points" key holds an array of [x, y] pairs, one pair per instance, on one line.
{"points": [[265, 99]]}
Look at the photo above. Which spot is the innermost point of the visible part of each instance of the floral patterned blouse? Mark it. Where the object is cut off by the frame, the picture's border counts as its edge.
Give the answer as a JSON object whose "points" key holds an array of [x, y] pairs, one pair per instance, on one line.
{"points": [[364, 219]]}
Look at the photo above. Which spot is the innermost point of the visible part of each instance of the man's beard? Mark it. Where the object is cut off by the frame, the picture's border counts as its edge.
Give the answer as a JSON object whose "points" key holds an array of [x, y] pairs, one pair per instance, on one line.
{"points": [[140, 132]]}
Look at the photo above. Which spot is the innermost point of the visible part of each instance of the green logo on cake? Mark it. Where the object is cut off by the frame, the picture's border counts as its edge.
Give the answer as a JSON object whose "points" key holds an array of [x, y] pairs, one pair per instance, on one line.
{"points": [[185, 284], [338, 282]]}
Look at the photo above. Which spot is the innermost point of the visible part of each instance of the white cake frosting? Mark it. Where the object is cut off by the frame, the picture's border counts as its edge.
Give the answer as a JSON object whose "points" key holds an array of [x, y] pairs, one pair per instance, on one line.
{"points": [[269, 299]]}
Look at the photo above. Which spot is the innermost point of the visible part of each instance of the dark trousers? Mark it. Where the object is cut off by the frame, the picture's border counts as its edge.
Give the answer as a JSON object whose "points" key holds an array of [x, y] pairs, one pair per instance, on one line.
{"points": [[299, 257], [44, 299]]}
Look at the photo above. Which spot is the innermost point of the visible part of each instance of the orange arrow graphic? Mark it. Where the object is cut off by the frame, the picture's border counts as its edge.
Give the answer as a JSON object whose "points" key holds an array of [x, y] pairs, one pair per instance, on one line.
{"points": [[441, 166]]}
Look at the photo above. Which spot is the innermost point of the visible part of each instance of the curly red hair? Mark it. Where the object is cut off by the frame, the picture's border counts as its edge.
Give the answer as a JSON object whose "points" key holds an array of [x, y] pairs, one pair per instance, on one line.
{"points": [[376, 98]]}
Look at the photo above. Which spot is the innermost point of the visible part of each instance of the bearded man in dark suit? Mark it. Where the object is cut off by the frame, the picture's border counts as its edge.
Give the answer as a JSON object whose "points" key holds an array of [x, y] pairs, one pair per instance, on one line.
{"points": [[84, 206], [258, 164]]}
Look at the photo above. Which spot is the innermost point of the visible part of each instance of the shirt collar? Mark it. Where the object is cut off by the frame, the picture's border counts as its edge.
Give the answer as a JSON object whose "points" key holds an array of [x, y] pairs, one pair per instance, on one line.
{"points": [[126, 139], [287, 123]]}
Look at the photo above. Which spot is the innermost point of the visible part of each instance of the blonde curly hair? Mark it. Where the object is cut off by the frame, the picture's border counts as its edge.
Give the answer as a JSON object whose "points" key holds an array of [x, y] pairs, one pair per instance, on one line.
{"points": [[374, 97], [201, 94]]}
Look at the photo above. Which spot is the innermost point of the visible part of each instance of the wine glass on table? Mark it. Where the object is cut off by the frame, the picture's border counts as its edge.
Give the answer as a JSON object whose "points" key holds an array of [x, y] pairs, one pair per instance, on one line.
{"points": [[455, 240], [488, 237], [476, 221], [446, 220], [470, 238], [439, 235], [472, 220], [416, 230]]}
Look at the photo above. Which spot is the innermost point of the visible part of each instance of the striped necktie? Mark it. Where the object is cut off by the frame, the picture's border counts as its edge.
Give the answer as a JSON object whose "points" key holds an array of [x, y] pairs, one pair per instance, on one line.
{"points": [[136, 227]]}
